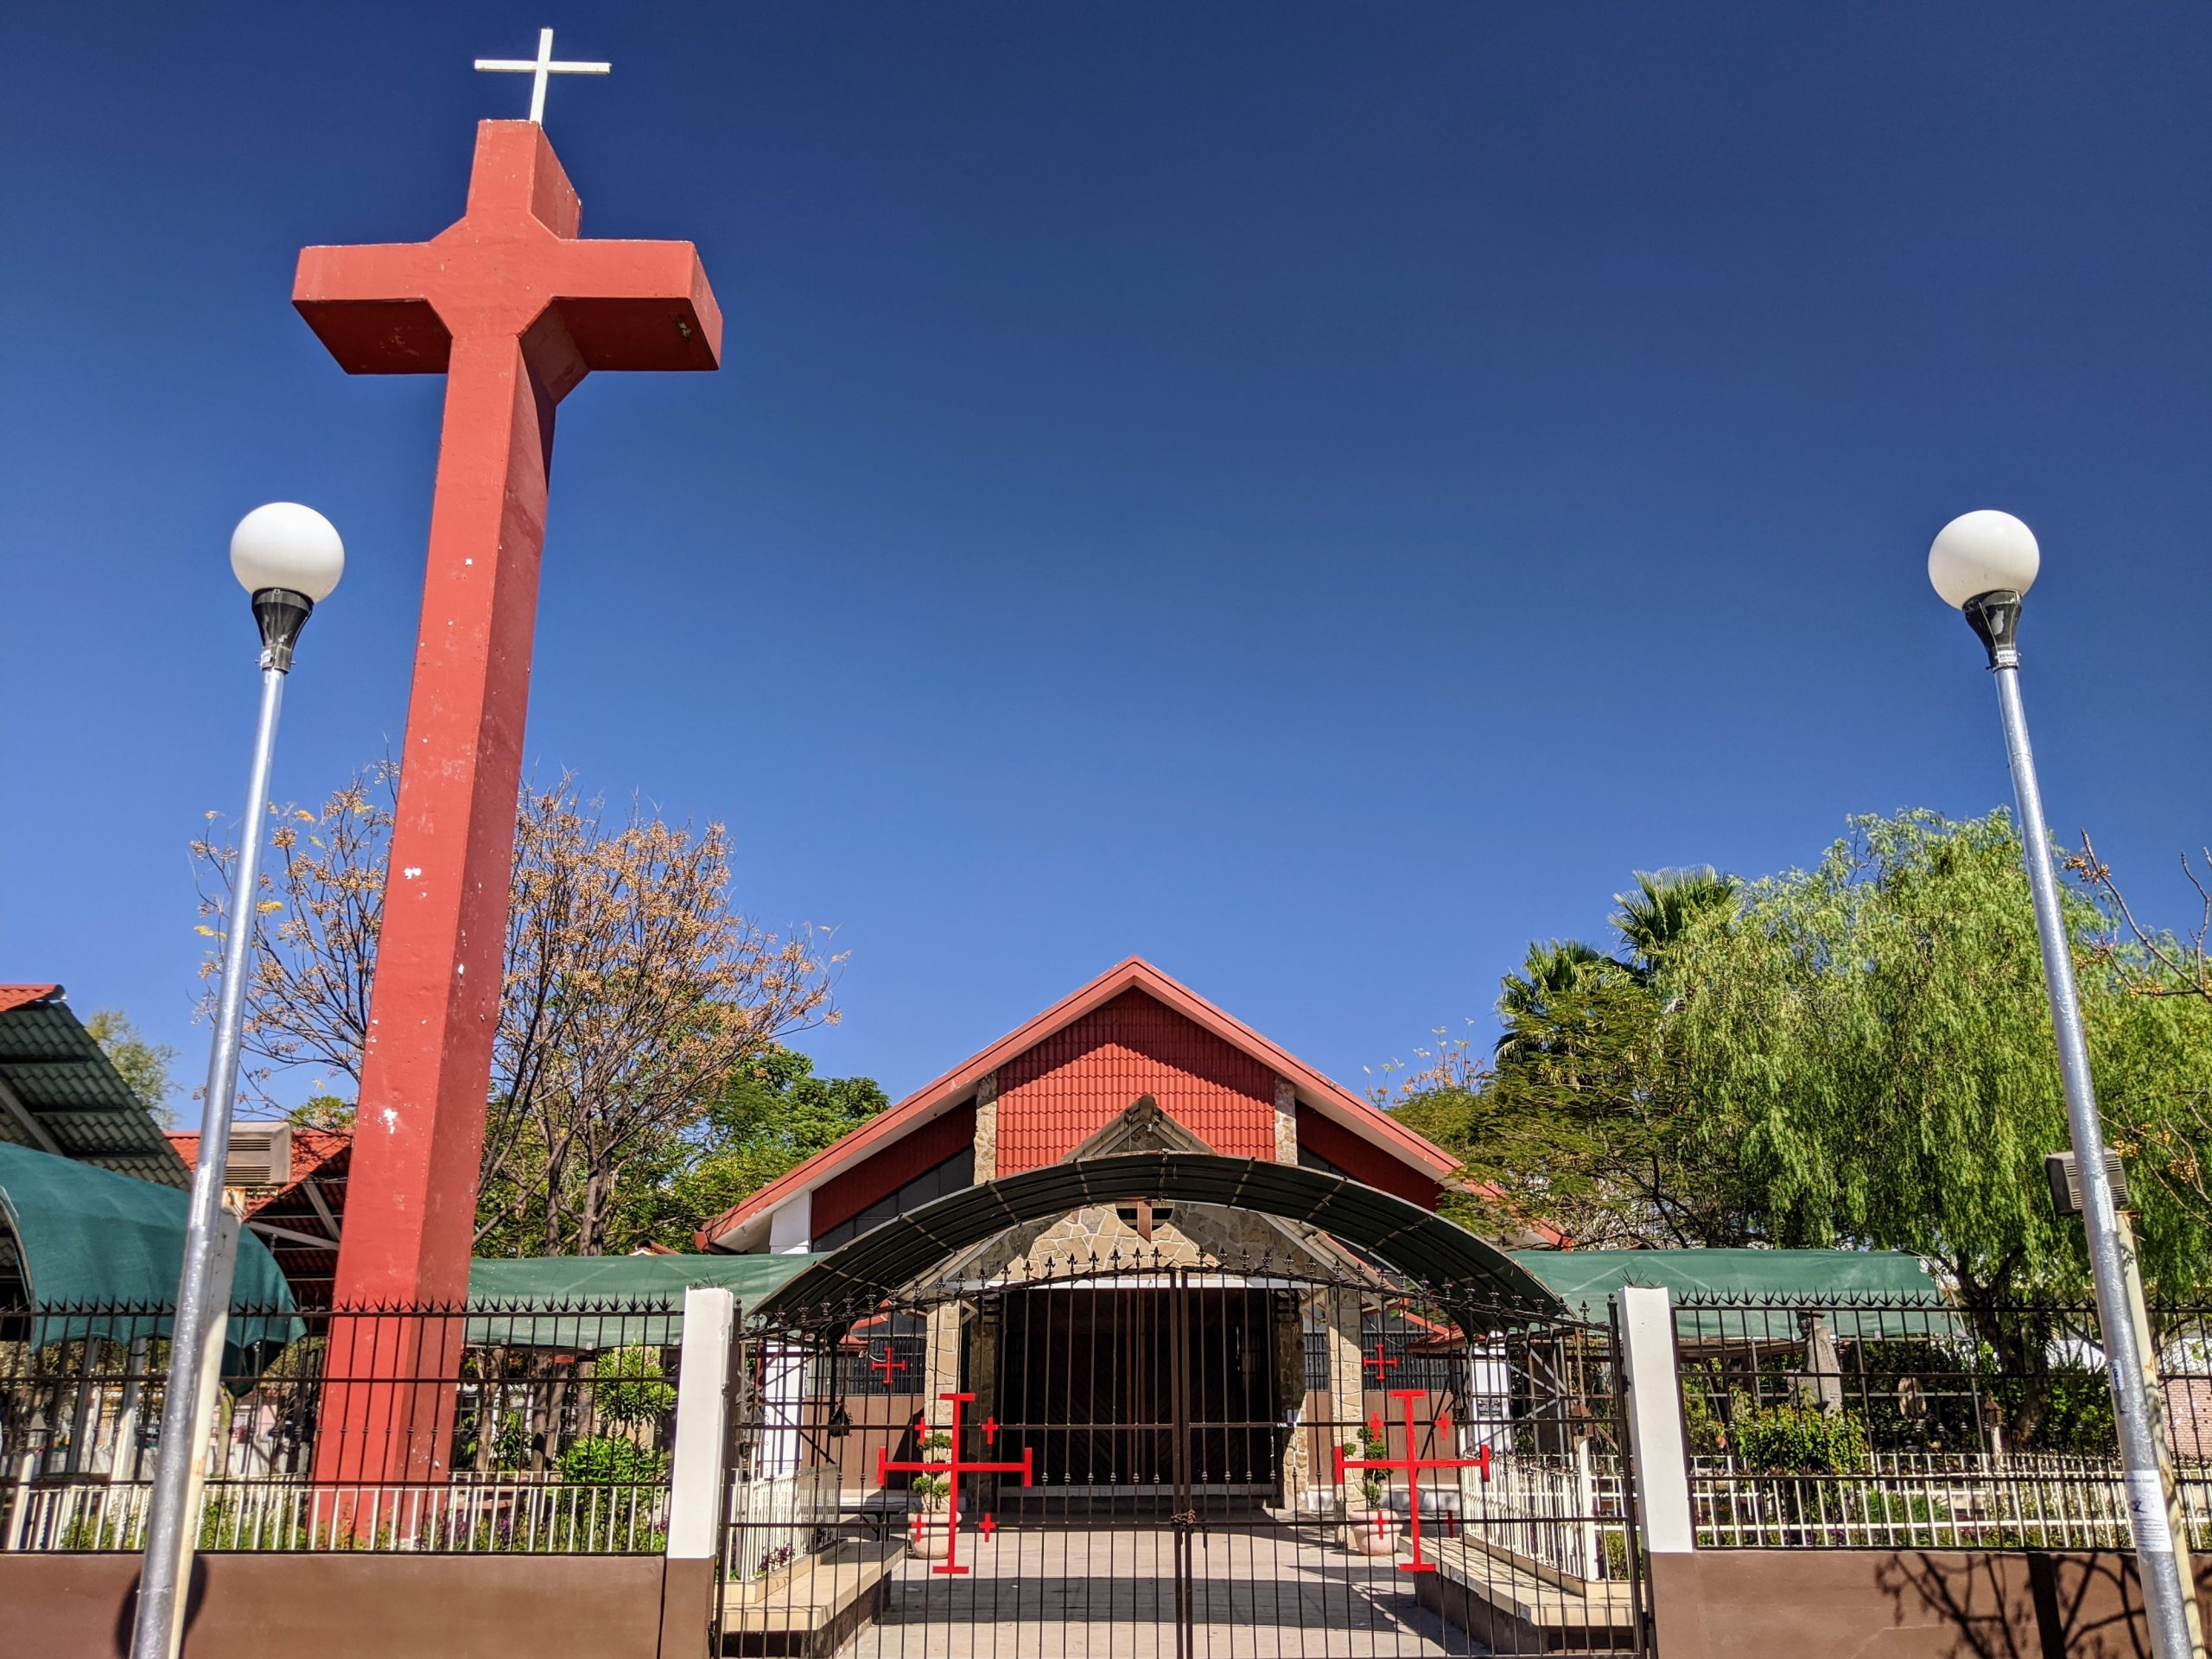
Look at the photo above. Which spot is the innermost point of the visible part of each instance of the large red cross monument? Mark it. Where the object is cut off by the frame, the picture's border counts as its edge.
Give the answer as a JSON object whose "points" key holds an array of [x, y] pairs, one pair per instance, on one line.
{"points": [[514, 310]]}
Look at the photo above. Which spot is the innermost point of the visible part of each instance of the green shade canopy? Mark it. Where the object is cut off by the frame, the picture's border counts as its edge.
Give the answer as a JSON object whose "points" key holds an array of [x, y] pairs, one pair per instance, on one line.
{"points": [[1585, 1282], [596, 1302], [90, 1240], [1384, 1228]]}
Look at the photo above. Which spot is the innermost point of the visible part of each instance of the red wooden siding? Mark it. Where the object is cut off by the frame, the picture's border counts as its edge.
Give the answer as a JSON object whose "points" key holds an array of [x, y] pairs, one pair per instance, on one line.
{"points": [[1364, 1160], [845, 1195], [1070, 1085]]}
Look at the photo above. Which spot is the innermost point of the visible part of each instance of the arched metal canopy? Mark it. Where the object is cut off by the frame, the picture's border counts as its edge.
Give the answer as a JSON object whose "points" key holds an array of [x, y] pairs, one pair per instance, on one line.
{"points": [[1384, 1228]]}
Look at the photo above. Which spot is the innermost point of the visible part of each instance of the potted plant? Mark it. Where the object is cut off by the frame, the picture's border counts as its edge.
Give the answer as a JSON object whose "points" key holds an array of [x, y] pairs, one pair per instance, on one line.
{"points": [[1370, 1528], [924, 1537]]}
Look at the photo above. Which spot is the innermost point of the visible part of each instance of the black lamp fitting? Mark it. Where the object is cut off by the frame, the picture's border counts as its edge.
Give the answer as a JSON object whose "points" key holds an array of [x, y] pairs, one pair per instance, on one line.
{"points": [[281, 614], [1995, 618]]}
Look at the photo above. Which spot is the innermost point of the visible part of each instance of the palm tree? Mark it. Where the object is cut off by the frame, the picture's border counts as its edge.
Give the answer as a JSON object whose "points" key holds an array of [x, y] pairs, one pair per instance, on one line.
{"points": [[1665, 906], [1561, 967]]}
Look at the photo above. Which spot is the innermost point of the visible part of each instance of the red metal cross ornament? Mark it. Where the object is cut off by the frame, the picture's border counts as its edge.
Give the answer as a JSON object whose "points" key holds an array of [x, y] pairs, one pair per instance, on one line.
{"points": [[952, 1469], [1380, 1364], [1413, 1465], [886, 1366]]}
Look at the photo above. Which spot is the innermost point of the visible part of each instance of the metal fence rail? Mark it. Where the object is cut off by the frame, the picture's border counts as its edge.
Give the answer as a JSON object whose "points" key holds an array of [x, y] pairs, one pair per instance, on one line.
{"points": [[1900, 1424], [533, 1429]]}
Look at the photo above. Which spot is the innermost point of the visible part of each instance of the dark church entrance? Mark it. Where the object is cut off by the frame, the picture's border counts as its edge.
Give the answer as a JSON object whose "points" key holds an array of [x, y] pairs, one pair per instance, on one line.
{"points": [[1105, 1383]]}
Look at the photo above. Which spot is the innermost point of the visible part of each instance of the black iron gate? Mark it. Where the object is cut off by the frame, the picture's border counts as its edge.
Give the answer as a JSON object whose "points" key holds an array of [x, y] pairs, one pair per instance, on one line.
{"points": [[1151, 1458]]}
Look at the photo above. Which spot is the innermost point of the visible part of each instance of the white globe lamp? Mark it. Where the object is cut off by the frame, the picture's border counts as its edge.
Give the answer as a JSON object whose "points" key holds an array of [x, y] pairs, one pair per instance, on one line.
{"points": [[288, 557], [1982, 552], [288, 546]]}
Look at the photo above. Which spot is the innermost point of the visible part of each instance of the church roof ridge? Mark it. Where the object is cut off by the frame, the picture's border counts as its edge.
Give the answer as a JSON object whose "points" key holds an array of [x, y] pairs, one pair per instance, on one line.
{"points": [[1131, 973]]}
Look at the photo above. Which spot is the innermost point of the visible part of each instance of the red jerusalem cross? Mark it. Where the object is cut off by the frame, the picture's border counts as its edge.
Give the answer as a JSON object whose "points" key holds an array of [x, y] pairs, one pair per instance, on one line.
{"points": [[886, 1366], [952, 1470], [1381, 1363], [514, 311], [1413, 1465]]}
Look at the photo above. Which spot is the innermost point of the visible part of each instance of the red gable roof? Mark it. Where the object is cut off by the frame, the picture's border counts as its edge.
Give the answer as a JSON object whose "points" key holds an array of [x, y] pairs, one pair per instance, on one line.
{"points": [[25, 996], [1236, 1065]]}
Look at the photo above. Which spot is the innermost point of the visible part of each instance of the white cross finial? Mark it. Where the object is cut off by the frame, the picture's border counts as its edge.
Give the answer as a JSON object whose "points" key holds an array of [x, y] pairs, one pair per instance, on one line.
{"points": [[538, 69]]}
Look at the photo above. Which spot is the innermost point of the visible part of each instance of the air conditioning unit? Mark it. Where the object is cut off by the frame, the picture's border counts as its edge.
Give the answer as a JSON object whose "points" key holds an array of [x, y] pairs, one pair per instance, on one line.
{"points": [[260, 1155]]}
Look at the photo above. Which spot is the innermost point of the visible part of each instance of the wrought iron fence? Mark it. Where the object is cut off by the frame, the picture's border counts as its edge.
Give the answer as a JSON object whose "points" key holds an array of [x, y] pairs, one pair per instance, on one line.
{"points": [[484, 1427], [1143, 1453], [1913, 1424]]}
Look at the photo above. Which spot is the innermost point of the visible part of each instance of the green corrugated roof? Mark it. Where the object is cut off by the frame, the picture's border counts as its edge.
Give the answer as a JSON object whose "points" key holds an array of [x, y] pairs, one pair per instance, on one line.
{"points": [[1587, 1279], [90, 1236], [53, 1071]]}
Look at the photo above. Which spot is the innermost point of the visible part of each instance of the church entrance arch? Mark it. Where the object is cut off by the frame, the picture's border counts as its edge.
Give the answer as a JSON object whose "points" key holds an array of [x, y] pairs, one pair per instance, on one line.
{"points": [[1170, 1404]]}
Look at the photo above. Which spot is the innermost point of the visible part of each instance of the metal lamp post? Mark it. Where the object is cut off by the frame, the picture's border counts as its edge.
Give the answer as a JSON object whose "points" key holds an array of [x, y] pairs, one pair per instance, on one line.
{"points": [[286, 556], [1981, 564]]}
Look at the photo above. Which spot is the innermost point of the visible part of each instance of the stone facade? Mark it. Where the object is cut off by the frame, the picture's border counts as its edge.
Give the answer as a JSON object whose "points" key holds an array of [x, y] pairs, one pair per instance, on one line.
{"points": [[1286, 1122], [987, 1129]]}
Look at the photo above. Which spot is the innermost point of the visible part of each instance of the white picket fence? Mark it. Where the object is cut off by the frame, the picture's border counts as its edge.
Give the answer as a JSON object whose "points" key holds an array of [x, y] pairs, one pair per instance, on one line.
{"points": [[769, 1519], [1930, 1500], [495, 1514], [1556, 1511]]}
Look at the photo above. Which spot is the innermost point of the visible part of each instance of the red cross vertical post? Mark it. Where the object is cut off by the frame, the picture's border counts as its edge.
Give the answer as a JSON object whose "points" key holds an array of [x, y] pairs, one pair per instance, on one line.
{"points": [[1413, 1464], [952, 1469], [514, 309]]}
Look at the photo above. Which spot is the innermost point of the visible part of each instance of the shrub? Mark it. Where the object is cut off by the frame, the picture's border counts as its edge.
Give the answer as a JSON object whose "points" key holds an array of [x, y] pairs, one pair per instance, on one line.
{"points": [[629, 1387], [608, 1460], [1797, 1439]]}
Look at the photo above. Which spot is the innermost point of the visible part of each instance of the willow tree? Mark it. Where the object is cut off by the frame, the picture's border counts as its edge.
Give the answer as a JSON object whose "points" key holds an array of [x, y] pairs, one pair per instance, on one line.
{"points": [[1867, 1046]]}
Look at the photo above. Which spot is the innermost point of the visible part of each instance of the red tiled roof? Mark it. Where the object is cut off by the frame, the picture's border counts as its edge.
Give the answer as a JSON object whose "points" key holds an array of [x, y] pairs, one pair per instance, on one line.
{"points": [[311, 1150], [25, 996], [291, 1218], [1080, 1078], [1255, 1054]]}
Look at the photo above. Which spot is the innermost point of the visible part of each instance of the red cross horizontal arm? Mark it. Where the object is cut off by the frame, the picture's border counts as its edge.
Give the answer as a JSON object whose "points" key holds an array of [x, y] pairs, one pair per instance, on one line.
{"points": [[1413, 1465], [514, 311], [952, 1470]]}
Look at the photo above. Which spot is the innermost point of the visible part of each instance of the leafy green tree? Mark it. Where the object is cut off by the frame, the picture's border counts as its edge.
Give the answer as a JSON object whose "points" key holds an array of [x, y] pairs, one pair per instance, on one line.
{"points": [[143, 1066], [770, 1114], [1856, 1054], [1868, 1046]]}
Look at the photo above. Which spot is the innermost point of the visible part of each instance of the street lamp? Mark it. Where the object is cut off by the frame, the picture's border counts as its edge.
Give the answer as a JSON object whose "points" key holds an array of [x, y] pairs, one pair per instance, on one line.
{"points": [[1981, 564], [286, 556]]}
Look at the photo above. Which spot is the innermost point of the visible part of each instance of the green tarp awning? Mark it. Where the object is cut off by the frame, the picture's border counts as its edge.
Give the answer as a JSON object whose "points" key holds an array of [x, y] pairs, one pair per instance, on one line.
{"points": [[597, 1302], [90, 1238], [1586, 1281]]}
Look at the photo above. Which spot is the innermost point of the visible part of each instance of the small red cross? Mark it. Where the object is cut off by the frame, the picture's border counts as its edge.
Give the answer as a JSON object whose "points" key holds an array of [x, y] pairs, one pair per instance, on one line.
{"points": [[952, 1469], [1381, 1363], [886, 1366], [1413, 1465]]}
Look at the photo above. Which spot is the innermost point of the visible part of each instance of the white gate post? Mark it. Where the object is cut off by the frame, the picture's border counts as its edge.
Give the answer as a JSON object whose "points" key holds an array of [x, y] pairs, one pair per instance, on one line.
{"points": [[698, 1483], [1655, 1420]]}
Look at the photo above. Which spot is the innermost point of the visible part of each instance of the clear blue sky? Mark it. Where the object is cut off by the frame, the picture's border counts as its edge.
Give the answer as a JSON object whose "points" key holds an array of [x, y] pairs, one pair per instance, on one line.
{"points": [[1312, 495]]}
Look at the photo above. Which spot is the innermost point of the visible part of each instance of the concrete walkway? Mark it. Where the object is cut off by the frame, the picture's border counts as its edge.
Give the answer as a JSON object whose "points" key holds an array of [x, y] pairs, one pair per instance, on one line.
{"points": [[1259, 1593]]}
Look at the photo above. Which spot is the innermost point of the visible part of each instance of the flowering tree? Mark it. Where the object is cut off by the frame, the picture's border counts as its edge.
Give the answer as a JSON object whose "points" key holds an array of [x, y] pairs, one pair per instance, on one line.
{"points": [[632, 989]]}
